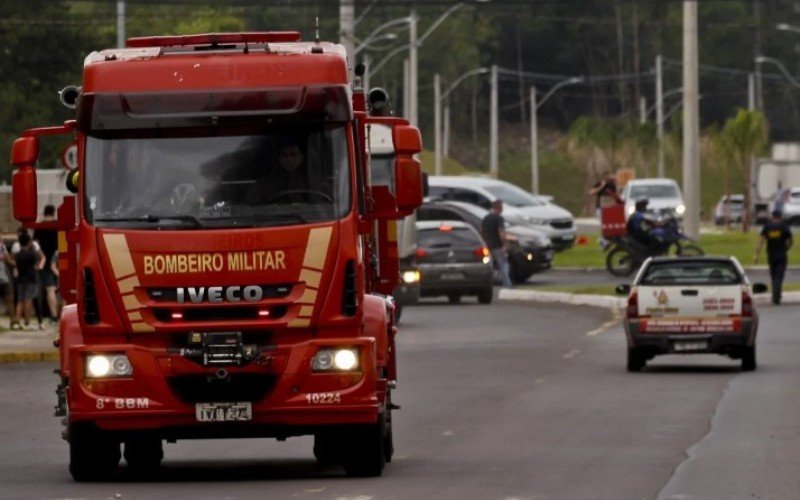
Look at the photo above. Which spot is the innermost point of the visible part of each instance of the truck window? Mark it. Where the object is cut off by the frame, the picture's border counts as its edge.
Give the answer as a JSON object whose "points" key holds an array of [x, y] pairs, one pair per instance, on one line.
{"points": [[238, 180]]}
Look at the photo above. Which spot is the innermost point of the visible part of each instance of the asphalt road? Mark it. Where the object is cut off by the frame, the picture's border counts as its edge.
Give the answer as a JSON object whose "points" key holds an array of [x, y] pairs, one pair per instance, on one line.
{"points": [[504, 401]]}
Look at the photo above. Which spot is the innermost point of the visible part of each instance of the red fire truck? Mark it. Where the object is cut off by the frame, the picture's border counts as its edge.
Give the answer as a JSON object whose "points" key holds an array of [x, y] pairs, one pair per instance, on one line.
{"points": [[226, 259]]}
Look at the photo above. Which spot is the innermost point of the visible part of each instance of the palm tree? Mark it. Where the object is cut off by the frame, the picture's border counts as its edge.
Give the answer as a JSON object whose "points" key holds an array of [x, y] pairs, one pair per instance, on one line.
{"points": [[743, 137]]}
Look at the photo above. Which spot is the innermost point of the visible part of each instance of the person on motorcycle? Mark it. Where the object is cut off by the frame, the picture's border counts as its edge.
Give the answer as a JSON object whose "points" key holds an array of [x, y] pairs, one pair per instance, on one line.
{"points": [[639, 225]]}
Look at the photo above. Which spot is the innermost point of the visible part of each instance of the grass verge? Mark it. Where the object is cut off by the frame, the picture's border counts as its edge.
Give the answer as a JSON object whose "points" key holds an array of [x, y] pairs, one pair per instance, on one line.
{"points": [[740, 245]]}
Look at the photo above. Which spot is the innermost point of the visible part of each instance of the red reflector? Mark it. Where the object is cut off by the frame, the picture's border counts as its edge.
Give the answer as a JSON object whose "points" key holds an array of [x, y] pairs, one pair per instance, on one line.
{"points": [[177, 315], [421, 253], [445, 227], [633, 305], [264, 313], [747, 305]]}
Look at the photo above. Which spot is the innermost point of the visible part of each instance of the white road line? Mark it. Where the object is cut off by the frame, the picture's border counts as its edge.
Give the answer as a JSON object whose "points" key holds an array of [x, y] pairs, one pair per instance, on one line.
{"points": [[604, 327], [571, 354]]}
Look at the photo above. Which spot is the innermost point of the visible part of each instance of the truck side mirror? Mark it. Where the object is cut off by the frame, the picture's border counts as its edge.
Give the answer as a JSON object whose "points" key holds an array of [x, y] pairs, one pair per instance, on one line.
{"points": [[24, 153], [408, 172]]}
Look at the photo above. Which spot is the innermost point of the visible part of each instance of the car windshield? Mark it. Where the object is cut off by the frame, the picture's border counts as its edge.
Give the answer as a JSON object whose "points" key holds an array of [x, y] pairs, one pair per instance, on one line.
{"points": [[691, 273], [245, 179], [654, 191], [514, 196], [450, 237]]}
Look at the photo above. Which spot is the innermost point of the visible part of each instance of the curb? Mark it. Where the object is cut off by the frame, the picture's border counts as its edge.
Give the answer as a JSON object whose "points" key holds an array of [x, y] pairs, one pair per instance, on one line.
{"points": [[607, 301], [28, 356]]}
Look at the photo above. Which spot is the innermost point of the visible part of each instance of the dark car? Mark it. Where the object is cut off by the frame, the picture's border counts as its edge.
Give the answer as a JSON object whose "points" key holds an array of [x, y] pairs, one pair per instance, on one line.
{"points": [[529, 251], [453, 260]]}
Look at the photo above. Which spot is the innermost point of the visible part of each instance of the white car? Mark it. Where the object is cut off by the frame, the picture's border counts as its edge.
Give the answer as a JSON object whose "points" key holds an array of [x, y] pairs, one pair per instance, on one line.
{"points": [[690, 305], [519, 206], [661, 194]]}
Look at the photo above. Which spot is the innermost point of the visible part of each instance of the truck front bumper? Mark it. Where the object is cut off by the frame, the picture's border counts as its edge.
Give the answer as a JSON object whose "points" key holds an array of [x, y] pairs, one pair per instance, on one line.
{"points": [[287, 397]]}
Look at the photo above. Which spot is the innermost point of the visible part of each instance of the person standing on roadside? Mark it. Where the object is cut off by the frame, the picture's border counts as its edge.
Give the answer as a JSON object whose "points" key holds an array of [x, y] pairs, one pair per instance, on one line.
{"points": [[6, 289], [606, 195], [493, 228], [778, 237], [28, 260], [48, 243]]}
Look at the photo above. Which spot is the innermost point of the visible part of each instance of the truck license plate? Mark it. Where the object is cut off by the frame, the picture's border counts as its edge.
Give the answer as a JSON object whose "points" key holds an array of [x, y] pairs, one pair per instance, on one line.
{"points": [[223, 412], [697, 345], [452, 276]]}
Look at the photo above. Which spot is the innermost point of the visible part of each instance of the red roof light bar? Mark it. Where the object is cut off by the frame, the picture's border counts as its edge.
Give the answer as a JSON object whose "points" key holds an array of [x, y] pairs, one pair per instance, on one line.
{"points": [[214, 38]]}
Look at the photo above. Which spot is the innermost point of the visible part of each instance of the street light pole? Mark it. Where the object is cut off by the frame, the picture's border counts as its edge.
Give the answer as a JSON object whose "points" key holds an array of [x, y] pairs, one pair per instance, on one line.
{"points": [[494, 152], [534, 144], [437, 123], [440, 97], [120, 24], [691, 120], [347, 26], [413, 66], [660, 115]]}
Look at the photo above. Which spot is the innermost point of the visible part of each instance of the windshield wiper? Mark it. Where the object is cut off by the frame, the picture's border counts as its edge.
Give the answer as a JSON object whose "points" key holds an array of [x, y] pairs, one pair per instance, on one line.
{"points": [[155, 218]]}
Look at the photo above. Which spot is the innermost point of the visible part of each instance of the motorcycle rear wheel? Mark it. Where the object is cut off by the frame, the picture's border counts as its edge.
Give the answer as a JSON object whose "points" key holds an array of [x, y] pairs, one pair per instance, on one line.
{"points": [[619, 262]]}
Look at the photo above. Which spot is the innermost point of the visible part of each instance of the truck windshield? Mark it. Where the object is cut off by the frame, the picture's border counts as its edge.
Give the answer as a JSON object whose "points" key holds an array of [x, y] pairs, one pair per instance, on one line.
{"points": [[246, 179]]}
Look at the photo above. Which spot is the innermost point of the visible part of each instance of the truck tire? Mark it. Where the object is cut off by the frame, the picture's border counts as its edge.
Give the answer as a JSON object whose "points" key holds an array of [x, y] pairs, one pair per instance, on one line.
{"points": [[749, 359], [486, 295], [636, 360], [93, 454], [144, 454], [328, 448], [366, 456]]}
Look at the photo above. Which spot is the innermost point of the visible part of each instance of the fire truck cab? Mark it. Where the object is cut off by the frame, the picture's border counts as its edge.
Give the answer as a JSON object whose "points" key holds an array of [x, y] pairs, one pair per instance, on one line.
{"points": [[229, 263]]}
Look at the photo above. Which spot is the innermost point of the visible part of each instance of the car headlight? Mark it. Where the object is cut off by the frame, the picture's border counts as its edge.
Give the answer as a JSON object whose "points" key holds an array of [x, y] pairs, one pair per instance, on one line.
{"points": [[410, 277], [335, 360], [108, 365], [680, 209], [631, 209]]}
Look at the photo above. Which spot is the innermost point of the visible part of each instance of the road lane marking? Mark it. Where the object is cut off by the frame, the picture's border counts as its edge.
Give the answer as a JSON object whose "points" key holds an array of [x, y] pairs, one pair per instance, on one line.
{"points": [[447, 433], [539, 381], [571, 354], [603, 328]]}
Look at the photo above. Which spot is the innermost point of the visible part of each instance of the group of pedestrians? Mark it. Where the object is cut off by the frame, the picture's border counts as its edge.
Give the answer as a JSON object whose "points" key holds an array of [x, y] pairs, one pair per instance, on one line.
{"points": [[29, 275]]}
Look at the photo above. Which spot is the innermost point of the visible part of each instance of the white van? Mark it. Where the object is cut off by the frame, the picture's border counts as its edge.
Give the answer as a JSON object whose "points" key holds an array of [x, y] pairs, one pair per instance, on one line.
{"points": [[661, 194], [519, 206]]}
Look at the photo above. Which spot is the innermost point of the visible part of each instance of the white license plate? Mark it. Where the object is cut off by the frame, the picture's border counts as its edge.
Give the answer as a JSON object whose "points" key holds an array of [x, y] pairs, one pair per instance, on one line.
{"points": [[223, 412], [452, 276], [697, 345]]}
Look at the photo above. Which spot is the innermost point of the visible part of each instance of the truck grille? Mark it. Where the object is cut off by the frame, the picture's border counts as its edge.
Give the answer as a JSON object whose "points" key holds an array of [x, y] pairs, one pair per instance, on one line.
{"points": [[561, 224], [193, 389]]}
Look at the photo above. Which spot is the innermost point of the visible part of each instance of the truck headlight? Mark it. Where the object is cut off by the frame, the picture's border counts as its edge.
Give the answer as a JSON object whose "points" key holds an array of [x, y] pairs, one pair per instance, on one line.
{"points": [[335, 359], [410, 277], [680, 209], [108, 365]]}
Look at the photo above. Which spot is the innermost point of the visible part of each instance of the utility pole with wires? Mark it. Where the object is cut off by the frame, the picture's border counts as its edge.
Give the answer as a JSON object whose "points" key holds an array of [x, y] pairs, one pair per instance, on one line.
{"points": [[347, 28], [121, 24], [691, 120]]}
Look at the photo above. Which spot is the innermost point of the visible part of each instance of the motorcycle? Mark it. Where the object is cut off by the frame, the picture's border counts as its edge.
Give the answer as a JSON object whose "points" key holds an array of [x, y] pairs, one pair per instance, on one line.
{"points": [[624, 254]]}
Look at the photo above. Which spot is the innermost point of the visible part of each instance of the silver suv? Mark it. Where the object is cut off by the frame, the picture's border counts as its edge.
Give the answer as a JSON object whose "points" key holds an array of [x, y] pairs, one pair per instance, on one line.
{"points": [[519, 206]]}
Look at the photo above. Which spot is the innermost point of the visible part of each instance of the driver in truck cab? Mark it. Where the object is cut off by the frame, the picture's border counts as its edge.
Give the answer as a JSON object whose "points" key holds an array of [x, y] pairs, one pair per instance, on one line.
{"points": [[289, 176]]}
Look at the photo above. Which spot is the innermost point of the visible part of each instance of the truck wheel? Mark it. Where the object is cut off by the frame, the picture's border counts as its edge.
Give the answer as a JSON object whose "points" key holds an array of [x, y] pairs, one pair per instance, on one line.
{"points": [[749, 359], [93, 454], [144, 454], [636, 360], [486, 295], [328, 449], [366, 456], [454, 298]]}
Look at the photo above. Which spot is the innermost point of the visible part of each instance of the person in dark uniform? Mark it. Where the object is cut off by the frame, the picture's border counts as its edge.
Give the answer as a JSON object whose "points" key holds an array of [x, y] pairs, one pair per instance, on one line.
{"points": [[289, 176], [493, 229], [778, 237]]}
